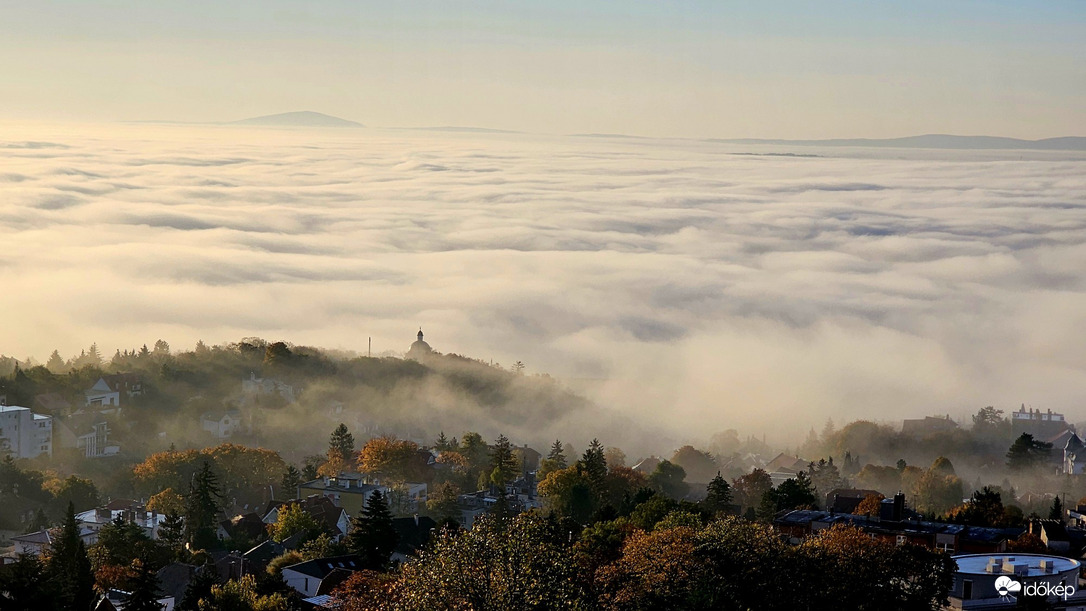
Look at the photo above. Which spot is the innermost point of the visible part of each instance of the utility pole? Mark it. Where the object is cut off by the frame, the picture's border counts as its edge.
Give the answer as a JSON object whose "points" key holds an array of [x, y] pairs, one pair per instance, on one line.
{"points": [[369, 350]]}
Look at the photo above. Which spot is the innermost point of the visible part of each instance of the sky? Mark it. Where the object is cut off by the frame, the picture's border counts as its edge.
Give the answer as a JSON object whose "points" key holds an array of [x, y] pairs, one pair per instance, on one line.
{"points": [[663, 69], [694, 286]]}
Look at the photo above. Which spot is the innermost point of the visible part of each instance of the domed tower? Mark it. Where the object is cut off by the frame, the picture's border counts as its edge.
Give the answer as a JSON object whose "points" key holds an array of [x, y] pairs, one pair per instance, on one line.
{"points": [[420, 349]]}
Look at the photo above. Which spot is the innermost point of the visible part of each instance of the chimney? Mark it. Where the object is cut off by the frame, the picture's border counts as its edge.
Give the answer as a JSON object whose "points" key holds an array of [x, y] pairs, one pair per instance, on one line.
{"points": [[899, 506]]}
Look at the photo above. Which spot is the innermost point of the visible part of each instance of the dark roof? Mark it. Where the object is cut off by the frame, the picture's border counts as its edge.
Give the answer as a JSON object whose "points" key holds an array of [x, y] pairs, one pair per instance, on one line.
{"points": [[173, 579], [414, 532], [322, 567], [333, 580], [802, 517], [318, 506]]}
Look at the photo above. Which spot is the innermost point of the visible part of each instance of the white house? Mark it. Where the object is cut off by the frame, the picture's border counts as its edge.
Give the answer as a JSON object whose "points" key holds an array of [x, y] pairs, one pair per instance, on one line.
{"points": [[36, 543], [221, 424], [267, 386], [25, 434], [129, 511], [101, 395], [306, 577]]}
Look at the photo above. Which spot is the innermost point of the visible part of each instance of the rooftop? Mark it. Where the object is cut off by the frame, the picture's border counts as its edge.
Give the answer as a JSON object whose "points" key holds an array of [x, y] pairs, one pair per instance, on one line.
{"points": [[1031, 563]]}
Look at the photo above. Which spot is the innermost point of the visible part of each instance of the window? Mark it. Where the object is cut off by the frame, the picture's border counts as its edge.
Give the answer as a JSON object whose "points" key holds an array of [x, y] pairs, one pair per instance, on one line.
{"points": [[901, 540], [967, 589]]}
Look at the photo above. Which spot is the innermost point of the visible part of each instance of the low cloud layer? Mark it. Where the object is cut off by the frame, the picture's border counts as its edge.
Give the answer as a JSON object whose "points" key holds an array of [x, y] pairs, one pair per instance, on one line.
{"points": [[692, 287]]}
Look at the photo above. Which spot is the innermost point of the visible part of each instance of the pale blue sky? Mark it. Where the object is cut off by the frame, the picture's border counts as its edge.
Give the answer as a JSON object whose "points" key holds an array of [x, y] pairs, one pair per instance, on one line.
{"points": [[715, 69]]}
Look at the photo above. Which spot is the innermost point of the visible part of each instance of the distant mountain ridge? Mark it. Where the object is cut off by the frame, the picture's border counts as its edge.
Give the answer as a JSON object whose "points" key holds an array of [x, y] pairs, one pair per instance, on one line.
{"points": [[933, 141], [302, 118]]}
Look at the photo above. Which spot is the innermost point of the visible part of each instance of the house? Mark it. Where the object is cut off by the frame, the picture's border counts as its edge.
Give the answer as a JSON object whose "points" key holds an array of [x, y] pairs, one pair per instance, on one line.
{"points": [[52, 403], [1074, 455], [24, 434], [529, 459], [414, 533], [247, 526], [255, 386], [306, 577], [846, 500], [222, 424], [784, 463], [102, 397], [647, 465], [1052, 533], [921, 427], [977, 578], [348, 491], [331, 517], [88, 432], [129, 511], [128, 384], [1042, 425], [897, 525], [38, 543]]}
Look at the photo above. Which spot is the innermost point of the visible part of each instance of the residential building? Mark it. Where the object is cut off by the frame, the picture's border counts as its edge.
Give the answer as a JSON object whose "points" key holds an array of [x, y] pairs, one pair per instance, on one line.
{"points": [[102, 396], [38, 543], [25, 434], [221, 424], [920, 427], [988, 581], [130, 511], [87, 432], [255, 386], [846, 500], [306, 577], [1042, 425], [348, 491], [332, 518]]}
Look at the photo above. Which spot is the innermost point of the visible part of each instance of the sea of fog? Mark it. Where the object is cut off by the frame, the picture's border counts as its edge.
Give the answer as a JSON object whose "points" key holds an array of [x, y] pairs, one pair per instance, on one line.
{"points": [[694, 285]]}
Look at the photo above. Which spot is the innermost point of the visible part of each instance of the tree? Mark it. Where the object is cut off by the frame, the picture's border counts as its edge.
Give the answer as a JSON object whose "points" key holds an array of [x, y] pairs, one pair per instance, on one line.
{"points": [[984, 508], [340, 451], [162, 348], [202, 506], [594, 463], [700, 466], [198, 589], [824, 476], [443, 444], [989, 421], [525, 563], [56, 363], [292, 519], [1026, 452], [171, 534], [22, 587], [1056, 512], [143, 594], [614, 457], [557, 454], [503, 463], [869, 506], [937, 491], [718, 495], [750, 488], [288, 486], [372, 535], [167, 501], [388, 458], [441, 502], [668, 478], [69, 568], [77, 490], [568, 492], [242, 595]]}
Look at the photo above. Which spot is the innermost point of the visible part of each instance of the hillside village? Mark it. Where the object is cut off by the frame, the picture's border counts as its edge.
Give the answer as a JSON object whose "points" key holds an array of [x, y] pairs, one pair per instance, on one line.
{"points": [[277, 467]]}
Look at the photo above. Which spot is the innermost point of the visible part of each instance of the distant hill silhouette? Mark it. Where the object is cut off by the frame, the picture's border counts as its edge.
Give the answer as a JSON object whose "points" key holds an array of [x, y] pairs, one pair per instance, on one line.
{"points": [[304, 118], [934, 141]]}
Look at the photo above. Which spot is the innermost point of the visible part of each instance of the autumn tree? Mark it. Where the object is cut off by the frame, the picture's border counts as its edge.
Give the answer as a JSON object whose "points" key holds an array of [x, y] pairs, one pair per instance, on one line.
{"points": [[391, 459], [293, 519], [869, 506], [700, 466], [524, 563], [750, 488], [668, 479]]}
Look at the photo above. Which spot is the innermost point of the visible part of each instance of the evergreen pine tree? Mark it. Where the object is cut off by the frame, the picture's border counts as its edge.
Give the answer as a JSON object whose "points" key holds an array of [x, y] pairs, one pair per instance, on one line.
{"points": [[594, 463], [719, 494], [202, 506], [372, 535], [171, 534], [69, 568], [56, 364], [341, 443], [1056, 513], [558, 454], [143, 595], [288, 486], [198, 589], [503, 463], [22, 587], [442, 442]]}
